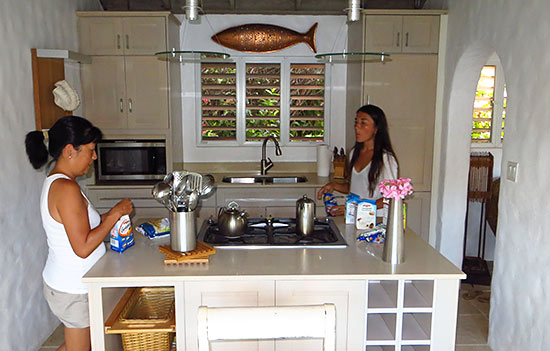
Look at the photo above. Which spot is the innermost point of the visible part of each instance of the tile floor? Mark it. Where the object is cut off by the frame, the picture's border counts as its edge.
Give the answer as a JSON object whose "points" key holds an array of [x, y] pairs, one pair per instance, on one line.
{"points": [[472, 326]]}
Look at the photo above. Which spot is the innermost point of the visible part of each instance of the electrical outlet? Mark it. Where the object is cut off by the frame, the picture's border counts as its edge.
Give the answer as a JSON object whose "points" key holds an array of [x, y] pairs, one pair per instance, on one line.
{"points": [[512, 171]]}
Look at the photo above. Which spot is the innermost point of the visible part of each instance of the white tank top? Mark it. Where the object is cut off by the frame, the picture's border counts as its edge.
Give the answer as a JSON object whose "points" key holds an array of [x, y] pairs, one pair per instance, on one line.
{"points": [[64, 269]]}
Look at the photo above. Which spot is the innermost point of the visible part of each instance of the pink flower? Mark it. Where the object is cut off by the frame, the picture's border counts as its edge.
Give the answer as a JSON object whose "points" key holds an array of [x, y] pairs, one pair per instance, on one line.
{"points": [[395, 188]]}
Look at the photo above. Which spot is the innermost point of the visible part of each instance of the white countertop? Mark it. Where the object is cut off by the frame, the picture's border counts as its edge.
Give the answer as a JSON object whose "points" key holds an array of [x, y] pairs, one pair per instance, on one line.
{"points": [[143, 262]]}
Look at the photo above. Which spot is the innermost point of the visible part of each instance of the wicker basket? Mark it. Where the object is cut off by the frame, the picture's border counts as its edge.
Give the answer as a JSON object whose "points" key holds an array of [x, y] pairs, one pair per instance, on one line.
{"points": [[145, 319]]}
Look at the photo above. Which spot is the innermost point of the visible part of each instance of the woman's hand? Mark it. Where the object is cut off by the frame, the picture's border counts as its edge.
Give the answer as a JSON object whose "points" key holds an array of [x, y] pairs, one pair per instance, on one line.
{"points": [[327, 188], [123, 207], [338, 210], [331, 187]]}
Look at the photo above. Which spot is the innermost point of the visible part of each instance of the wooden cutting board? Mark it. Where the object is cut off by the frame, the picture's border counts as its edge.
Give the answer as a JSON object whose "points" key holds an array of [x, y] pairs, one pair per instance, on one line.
{"points": [[200, 255]]}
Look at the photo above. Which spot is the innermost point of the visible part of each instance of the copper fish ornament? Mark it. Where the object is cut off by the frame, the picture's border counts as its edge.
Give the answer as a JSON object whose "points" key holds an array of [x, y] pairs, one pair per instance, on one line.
{"points": [[256, 37]]}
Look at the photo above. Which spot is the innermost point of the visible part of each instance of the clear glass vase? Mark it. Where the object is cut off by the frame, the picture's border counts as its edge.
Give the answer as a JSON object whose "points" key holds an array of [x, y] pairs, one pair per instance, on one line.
{"points": [[394, 245]]}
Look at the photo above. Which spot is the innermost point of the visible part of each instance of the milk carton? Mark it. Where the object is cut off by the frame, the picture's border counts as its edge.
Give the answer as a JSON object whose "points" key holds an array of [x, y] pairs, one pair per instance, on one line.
{"points": [[351, 208], [366, 214], [122, 234]]}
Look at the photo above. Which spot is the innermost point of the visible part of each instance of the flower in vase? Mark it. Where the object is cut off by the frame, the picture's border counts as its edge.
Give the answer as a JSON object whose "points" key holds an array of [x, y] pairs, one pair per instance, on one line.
{"points": [[395, 188]]}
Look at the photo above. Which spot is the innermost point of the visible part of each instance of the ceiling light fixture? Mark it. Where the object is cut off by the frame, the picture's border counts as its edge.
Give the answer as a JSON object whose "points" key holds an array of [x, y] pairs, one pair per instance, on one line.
{"points": [[354, 10], [192, 9]]}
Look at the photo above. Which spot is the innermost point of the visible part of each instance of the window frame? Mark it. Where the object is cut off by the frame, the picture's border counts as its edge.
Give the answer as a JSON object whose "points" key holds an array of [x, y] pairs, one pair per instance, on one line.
{"points": [[284, 117], [498, 107]]}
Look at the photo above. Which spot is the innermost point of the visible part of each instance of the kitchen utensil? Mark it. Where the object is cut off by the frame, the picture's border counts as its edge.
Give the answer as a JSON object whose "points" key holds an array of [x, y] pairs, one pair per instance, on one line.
{"points": [[161, 192], [231, 220], [305, 215], [208, 185], [193, 182], [192, 201], [183, 236]]}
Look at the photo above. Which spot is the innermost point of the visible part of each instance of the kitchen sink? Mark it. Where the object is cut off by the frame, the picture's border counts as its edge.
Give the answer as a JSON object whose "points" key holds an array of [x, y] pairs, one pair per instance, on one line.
{"points": [[255, 179]]}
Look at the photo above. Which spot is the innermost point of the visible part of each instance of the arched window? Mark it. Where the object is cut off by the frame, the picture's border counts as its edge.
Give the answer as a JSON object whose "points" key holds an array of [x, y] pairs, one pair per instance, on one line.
{"points": [[490, 105]]}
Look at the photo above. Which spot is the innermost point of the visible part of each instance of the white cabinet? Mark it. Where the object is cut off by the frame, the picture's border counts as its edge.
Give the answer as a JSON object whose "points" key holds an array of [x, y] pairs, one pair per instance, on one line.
{"points": [[126, 89], [347, 295], [238, 293], [122, 92], [122, 35], [402, 34]]}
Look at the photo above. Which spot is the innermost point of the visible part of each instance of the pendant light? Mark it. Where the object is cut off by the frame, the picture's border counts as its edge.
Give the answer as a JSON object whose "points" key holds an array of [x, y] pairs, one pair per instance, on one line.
{"points": [[354, 10], [191, 10]]}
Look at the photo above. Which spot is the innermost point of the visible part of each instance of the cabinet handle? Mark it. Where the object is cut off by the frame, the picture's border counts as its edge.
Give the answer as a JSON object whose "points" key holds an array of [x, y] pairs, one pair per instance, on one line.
{"points": [[118, 41], [407, 39], [368, 99], [127, 42], [121, 105], [130, 105], [398, 37]]}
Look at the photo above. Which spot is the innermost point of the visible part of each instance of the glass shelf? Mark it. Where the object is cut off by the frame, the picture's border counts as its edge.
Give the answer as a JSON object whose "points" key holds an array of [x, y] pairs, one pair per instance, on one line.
{"points": [[191, 55], [343, 57]]}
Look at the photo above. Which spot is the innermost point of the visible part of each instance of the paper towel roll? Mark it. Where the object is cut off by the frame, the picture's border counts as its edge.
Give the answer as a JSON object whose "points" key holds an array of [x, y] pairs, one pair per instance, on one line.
{"points": [[323, 160]]}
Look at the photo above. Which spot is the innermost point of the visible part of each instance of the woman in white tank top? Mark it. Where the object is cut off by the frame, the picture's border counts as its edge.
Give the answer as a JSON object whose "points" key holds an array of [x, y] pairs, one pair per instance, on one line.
{"points": [[372, 160], [74, 229]]}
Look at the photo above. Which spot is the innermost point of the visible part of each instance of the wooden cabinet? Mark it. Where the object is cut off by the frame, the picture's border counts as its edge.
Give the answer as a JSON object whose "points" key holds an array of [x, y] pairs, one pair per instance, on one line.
{"points": [[122, 35], [267, 201], [126, 88], [126, 92], [402, 34], [406, 88]]}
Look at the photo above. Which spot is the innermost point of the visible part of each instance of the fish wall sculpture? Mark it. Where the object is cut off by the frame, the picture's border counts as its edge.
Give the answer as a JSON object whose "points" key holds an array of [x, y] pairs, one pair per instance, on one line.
{"points": [[256, 37]]}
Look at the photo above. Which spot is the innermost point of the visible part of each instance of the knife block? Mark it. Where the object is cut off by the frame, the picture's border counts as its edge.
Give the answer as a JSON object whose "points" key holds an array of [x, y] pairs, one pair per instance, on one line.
{"points": [[339, 168]]}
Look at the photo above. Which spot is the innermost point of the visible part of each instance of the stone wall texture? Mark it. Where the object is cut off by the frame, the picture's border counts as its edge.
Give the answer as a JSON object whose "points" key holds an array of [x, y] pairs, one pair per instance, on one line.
{"points": [[25, 321], [518, 32]]}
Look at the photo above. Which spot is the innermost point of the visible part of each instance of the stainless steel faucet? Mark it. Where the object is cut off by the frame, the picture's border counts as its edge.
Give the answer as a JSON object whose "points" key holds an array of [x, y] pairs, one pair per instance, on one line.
{"points": [[266, 164]]}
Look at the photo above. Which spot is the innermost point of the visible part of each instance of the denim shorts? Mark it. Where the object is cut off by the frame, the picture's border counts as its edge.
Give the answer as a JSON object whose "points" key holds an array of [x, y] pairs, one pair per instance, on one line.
{"points": [[71, 309]]}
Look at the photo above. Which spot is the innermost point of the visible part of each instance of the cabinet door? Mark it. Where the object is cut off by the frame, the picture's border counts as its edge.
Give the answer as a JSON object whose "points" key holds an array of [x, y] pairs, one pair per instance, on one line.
{"points": [[144, 35], [420, 34], [405, 89], [383, 33], [226, 294], [146, 92], [418, 214], [104, 92], [348, 296], [100, 35]]}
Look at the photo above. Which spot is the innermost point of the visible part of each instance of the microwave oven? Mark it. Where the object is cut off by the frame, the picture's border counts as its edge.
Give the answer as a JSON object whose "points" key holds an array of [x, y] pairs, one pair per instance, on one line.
{"points": [[119, 160]]}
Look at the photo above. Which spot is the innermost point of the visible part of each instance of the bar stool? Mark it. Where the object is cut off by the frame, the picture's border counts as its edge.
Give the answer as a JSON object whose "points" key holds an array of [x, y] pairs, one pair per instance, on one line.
{"points": [[252, 323]]}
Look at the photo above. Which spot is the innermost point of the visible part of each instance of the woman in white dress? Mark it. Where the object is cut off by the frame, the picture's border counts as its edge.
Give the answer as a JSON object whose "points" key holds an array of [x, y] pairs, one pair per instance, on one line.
{"points": [[74, 229], [372, 159]]}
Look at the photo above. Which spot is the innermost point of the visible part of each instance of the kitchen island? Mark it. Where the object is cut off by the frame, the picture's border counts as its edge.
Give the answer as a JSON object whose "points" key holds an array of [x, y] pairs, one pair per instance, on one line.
{"points": [[411, 306]]}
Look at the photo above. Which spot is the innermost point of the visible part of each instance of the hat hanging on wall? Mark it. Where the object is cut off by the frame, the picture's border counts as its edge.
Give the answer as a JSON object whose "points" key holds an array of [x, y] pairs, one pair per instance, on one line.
{"points": [[65, 96]]}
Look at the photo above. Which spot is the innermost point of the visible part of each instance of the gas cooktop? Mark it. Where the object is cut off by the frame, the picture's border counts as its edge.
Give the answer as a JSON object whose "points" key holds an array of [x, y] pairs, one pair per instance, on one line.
{"points": [[274, 233]]}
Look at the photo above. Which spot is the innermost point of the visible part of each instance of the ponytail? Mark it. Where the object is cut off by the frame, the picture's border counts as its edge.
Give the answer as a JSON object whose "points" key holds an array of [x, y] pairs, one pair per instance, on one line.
{"points": [[67, 130], [36, 149]]}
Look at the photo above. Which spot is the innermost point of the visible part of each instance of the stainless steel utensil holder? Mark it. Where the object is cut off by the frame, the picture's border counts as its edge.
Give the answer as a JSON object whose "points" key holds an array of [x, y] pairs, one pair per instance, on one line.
{"points": [[183, 234]]}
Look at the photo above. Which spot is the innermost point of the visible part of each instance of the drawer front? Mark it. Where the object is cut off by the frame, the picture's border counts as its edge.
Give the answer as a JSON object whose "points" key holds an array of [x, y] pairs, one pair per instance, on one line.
{"points": [[262, 197], [141, 197]]}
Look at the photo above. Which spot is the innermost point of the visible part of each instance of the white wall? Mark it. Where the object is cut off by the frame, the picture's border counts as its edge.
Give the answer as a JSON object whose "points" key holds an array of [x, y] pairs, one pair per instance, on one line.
{"points": [[518, 32], [331, 35], [25, 321]]}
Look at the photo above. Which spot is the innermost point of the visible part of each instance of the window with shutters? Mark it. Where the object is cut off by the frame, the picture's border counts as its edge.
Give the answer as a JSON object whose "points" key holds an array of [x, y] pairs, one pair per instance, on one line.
{"points": [[489, 106], [245, 101]]}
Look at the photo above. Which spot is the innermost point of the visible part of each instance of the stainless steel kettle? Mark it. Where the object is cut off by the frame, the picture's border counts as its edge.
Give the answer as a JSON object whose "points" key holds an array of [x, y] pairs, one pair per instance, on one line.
{"points": [[231, 220], [305, 215]]}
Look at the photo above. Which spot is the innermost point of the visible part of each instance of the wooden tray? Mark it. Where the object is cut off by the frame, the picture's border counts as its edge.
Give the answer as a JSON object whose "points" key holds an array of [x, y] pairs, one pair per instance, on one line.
{"points": [[200, 255]]}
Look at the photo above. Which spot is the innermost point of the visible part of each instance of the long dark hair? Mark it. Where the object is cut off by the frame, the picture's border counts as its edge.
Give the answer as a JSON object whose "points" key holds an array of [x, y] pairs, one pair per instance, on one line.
{"points": [[72, 130], [382, 144]]}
